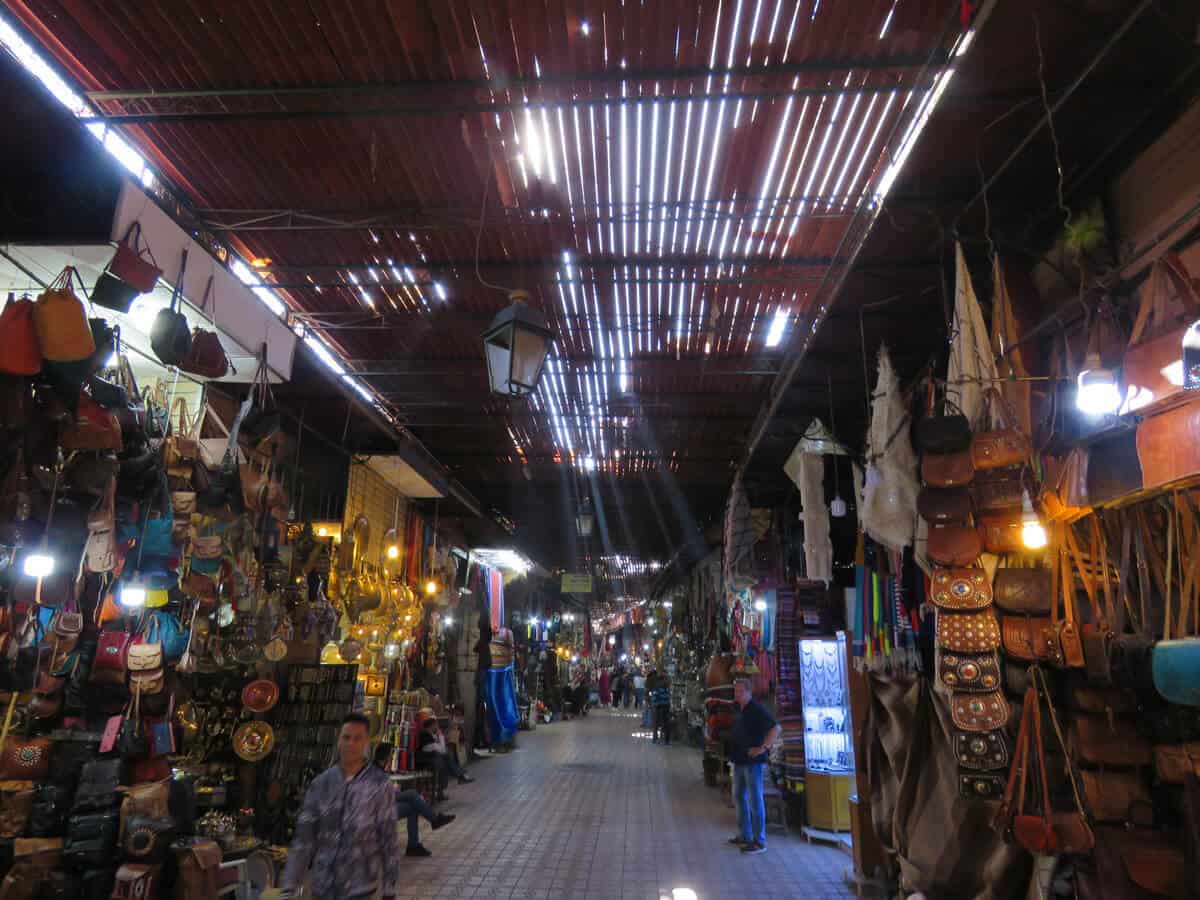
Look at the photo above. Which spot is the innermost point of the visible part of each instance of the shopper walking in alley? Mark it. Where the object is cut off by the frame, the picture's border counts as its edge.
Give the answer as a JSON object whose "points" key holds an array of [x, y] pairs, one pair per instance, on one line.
{"points": [[660, 699], [754, 731], [605, 691], [618, 688], [346, 841], [411, 806], [639, 689]]}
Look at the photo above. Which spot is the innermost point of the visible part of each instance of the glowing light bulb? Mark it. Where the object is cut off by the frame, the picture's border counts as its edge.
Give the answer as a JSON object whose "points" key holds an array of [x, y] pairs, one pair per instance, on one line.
{"points": [[431, 587], [1033, 534], [393, 552], [38, 565], [322, 531], [133, 595], [449, 621], [1097, 393], [760, 605]]}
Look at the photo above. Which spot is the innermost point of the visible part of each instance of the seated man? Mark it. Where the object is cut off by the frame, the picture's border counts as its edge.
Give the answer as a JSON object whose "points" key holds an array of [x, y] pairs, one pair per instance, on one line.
{"points": [[411, 805], [433, 755]]}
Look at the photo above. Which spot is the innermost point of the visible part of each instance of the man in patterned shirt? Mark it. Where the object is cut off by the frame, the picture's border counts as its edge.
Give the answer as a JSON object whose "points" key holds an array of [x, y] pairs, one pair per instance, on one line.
{"points": [[346, 831]]}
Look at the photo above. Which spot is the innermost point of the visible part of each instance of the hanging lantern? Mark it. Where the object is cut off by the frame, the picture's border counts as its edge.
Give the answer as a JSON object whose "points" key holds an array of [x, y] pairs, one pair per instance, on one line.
{"points": [[1097, 392], [585, 519], [1191, 357], [516, 346]]}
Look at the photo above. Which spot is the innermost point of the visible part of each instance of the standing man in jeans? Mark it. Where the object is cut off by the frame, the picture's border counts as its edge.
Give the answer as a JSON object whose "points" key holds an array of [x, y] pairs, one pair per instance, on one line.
{"points": [[346, 841], [754, 731], [660, 699]]}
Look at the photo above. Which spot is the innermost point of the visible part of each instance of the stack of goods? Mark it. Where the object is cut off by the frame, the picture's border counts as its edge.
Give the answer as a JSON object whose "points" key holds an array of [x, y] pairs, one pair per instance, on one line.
{"points": [[968, 634], [789, 708]]}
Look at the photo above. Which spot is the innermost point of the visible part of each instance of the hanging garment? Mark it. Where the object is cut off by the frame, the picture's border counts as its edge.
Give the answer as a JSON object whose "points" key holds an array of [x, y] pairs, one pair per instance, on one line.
{"points": [[818, 548], [890, 488], [972, 368], [1005, 332], [496, 597]]}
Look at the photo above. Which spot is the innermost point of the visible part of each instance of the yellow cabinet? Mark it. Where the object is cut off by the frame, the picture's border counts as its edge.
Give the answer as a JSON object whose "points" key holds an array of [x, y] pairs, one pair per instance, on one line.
{"points": [[828, 799]]}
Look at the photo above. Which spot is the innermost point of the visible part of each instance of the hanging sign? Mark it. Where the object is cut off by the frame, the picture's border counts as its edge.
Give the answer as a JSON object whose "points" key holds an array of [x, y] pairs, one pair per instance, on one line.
{"points": [[576, 584]]}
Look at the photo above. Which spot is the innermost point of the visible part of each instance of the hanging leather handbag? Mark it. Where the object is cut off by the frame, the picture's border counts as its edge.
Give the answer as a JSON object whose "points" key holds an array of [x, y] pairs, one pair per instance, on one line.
{"points": [[131, 739], [170, 335], [63, 331], [979, 712], [947, 433], [99, 553], [961, 589], [1000, 532], [981, 750], [51, 806], [199, 863], [1170, 304], [1000, 489], [130, 272], [207, 357], [1114, 469], [151, 800], [181, 445], [973, 632], [112, 650], [91, 839], [1064, 496], [1101, 741], [954, 546], [1118, 797], [98, 782], [1028, 638], [1065, 627], [1173, 762], [1167, 448], [108, 394], [146, 839], [18, 336], [1023, 590], [968, 672], [947, 470], [136, 881], [16, 806], [94, 429], [945, 506], [25, 759], [1002, 447], [1049, 832]]}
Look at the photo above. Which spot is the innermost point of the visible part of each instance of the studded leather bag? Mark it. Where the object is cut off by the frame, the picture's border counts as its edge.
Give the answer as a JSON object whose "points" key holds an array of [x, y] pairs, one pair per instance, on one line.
{"points": [[981, 750], [975, 632], [961, 589], [973, 673], [979, 712]]}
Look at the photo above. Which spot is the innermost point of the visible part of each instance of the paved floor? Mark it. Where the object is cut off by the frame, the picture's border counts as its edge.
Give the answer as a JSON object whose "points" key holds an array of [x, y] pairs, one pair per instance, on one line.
{"points": [[586, 809]]}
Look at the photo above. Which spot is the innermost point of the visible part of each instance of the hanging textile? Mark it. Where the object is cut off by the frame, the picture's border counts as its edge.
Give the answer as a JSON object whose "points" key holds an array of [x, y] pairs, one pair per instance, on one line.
{"points": [[889, 591], [495, 597], [972, 367], [1011, 362], [889, 491], [818, 547], [739, 533]]}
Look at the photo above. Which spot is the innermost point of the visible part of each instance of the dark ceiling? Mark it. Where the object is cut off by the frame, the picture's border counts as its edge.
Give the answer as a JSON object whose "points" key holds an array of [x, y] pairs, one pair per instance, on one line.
{"points": [[666, 179]]}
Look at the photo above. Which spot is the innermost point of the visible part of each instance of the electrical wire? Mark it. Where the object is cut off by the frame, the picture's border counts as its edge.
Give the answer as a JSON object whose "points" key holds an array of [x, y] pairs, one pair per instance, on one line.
{"points": [[487, 185], [1037, 35]]}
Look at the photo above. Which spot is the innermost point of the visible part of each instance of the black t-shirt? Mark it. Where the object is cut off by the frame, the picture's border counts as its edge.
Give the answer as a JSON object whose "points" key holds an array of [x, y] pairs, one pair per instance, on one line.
{"points": [[750, 729]]}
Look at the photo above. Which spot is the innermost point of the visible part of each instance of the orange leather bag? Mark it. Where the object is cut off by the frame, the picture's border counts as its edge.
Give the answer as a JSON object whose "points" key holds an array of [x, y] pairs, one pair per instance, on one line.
{"points": [[18, 336]]}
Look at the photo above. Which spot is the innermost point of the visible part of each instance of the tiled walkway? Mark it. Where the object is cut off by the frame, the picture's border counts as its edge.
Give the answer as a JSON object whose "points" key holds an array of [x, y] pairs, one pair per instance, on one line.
{"points": [[584, 809]]}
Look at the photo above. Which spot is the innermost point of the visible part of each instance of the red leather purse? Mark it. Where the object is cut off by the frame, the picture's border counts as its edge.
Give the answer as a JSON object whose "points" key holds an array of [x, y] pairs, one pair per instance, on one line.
{"points": [[207, 358]]}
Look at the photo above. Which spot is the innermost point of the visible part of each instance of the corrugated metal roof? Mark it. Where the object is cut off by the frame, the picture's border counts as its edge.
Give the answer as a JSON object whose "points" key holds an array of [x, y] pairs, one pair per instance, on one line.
{"points": [[668, 179]]}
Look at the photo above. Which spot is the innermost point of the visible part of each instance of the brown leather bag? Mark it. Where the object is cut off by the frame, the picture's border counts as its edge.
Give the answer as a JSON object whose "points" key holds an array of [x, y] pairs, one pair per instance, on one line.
{"points": [[1027, 638], [1168, 446], [151, 800], [22, 760], [1049, 832], [979, 712], [954, 546], [1172, 762], [961, 589], [1103, 701], [968, 672], [981, 750], [16, 804], [947, 470], [998, 489], [1004, 446], [975, 632], [945, 506], [1000, 531], [1101, 741], [1022, 590], [1116, 796], [1136, 864], [199, 865], [1065, 628]]}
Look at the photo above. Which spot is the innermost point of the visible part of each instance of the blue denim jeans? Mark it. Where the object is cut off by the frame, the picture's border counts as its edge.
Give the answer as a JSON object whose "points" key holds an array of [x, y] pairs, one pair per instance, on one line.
{"points": [[410, 805], [748, 798]]}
